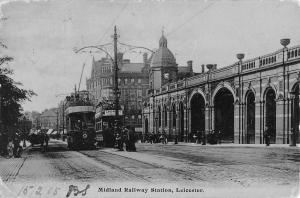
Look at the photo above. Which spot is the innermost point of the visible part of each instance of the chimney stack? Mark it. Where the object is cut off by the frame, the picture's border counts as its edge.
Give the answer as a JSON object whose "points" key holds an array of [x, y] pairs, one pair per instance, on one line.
{"points": [[215, 67], [203, 68], [190, 63], [190, 66], [145, 58]]}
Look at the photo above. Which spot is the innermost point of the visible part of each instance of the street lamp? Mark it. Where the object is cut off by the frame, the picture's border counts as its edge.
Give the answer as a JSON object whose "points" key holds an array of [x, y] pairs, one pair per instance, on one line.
{"points": [[284, 42], [240, 56]]}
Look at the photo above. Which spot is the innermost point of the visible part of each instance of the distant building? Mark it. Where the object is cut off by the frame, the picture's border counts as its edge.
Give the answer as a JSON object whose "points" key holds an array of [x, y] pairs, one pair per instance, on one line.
{"points": [[133, 84], [48, 119]]}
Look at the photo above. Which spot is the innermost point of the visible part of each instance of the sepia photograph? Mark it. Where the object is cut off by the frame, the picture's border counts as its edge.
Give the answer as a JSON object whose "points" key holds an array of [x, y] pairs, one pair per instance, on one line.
{"points": [[149, 98]]}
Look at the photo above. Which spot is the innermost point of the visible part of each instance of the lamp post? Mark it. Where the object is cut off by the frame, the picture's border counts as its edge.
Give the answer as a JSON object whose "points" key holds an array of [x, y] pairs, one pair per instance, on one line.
{"points": [[240, 57], [284, 42]]}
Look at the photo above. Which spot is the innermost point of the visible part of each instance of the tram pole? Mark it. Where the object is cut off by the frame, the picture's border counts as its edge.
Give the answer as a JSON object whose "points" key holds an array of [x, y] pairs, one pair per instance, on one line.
{"points": [[116, 88]]}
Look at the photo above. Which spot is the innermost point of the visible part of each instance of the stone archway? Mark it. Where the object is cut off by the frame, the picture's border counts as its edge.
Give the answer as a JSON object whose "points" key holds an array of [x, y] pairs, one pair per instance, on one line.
{"points": [[270, 113], [197, 104], [295, 113], [224, 115], [250, 117]]}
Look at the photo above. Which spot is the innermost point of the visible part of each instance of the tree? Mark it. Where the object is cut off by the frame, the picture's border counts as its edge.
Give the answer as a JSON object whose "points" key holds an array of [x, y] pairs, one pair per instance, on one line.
{"points": [[11, 95]]}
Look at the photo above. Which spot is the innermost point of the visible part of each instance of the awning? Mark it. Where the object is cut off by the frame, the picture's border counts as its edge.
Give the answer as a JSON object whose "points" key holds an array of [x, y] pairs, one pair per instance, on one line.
{"points": [[49, 131]]}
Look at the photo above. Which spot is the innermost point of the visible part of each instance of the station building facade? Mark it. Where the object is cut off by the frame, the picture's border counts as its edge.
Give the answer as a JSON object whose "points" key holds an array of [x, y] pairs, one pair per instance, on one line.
{"points": [[238, 101]]}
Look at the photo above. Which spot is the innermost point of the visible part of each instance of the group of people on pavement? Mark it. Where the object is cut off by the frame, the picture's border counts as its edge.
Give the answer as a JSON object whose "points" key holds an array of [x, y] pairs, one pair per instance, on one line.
{"points": [[156, 138], [125, 136], [10, 145]]}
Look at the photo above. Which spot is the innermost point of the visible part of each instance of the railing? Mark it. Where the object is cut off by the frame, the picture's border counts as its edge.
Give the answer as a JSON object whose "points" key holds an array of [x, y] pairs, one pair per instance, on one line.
{"points": [[225, 71], [250, 64], [293, 53], [270, 59], [196, 79]]}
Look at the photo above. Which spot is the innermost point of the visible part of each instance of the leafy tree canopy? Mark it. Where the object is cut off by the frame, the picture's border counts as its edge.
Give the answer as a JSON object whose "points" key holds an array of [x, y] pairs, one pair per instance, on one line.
{"points": [[12, 95]]}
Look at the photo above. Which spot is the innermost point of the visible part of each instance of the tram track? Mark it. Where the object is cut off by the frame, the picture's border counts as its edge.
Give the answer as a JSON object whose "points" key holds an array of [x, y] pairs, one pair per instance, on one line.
{"points": [[187, 176], [122, 170]]}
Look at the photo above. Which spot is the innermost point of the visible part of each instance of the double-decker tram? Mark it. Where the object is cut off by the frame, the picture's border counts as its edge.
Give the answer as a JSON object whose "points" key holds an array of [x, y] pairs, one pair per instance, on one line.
{"points": [[106, 123], [80, 120]]}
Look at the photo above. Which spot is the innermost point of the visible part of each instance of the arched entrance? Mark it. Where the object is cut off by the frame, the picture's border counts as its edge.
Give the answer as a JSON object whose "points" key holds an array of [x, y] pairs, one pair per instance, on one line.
{"points": [[224, 115], [146, 126], [271, 113], [181, 114], [295, 112], [174, 116], [197, 114], [250, 118]]}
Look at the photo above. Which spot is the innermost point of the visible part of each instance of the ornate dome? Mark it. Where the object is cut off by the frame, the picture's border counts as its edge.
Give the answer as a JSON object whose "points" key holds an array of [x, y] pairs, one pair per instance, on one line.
{"points": [[163, 57]]}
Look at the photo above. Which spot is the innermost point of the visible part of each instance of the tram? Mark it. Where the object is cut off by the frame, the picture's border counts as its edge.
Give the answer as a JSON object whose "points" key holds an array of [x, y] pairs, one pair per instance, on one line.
{"points": [[80, 121], [106, 124]]}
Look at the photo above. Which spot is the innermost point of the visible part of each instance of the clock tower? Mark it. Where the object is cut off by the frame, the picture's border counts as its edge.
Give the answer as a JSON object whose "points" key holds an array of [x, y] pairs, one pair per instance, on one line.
{"points": [[163, 65]]}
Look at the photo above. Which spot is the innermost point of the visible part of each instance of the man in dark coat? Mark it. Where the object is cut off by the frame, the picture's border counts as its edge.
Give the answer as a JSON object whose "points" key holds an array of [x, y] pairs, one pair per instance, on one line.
{"points": [[16, 142], [132, 140], [267, 133], [46, 142]]}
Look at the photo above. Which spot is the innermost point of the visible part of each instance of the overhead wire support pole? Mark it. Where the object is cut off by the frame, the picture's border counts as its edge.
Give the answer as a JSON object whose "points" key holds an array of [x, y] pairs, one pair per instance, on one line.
{"points": [[116, 74]]}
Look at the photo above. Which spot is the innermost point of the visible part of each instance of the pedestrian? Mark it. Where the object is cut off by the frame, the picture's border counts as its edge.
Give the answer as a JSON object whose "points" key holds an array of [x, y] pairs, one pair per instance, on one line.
{"points": [[267, 136], [132, 140], [126, 138], [195, 137], [46, 142], [5, 141], [293, 137], [203, 138], [16, 143], [219, 137], [119, 142], [165, 138]]}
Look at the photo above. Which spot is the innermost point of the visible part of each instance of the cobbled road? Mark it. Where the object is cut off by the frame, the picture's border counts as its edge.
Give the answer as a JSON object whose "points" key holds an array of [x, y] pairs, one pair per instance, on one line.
{"points": [[154, 164]]}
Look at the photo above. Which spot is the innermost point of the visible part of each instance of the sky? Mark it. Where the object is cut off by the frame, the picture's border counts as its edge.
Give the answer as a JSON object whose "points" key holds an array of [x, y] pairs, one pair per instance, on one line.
{"points": [[41, 35]]}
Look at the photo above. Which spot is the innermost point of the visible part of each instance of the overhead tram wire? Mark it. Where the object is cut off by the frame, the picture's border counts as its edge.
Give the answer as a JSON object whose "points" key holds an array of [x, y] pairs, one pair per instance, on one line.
{"points": [[131, 47], [114, 20], [190, 19]]}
